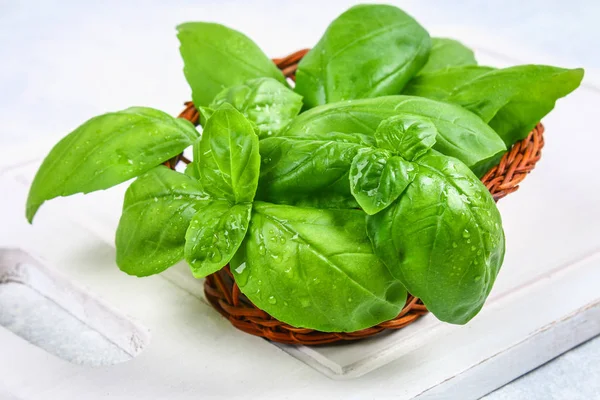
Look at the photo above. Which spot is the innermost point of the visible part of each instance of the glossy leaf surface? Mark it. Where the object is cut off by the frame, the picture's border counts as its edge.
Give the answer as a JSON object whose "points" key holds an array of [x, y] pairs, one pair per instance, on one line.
{"points": [[442, 238], [407, 135], [227, 157], [107, 150], [157, 211], [368, 51], [309, 171], [216, 57], [377, 178], [316, 269], [461, 134], [447, 53], [214, 235], [266, 102]]}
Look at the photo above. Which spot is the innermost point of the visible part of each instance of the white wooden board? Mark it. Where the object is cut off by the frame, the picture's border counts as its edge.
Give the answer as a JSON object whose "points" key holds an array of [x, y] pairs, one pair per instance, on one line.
{"points": [[546, 300]]}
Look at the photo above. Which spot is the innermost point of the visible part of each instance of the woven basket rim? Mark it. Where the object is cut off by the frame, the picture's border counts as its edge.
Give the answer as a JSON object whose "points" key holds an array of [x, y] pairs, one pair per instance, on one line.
{"points": [[225, 296]]}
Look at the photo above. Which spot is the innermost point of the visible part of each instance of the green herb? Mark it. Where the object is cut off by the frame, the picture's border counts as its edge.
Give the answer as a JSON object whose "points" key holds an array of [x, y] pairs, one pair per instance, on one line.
{"points": [[511, 100], [214, 235], [368, 51], [107, 150], [447, 53], [316, 269], [378, 176], [327, 218], [269, 104], [440, 85], [228, 168], [309, 171], [461, 134], [442, 238], [217, 57], [157, 211]]}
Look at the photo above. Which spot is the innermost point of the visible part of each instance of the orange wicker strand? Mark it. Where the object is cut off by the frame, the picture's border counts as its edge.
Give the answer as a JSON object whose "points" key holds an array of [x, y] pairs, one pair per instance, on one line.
{"points": [[225, 296]]}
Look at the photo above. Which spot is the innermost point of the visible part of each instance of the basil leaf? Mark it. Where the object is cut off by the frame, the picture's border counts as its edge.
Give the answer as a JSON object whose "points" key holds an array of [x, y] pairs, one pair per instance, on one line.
{"points": [[447, 53], [368, 51], [407, 135], [192, 171], [440, 85], [377, 178], [204, 114], [217, 57], [214, 235], [308, 171], [227, 158], [442, 238], [316, 269], [461, 134], [513, 100], [157, 210], [107, 150], [267, 103]]}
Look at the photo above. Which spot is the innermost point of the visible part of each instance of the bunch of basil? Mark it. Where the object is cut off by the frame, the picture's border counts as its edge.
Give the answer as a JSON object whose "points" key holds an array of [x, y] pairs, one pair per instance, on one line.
{"points": [[326, 216]]}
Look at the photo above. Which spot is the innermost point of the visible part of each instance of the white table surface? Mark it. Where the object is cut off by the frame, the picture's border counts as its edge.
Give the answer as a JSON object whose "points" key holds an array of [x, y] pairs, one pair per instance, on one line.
{"points": [[63, 62]]}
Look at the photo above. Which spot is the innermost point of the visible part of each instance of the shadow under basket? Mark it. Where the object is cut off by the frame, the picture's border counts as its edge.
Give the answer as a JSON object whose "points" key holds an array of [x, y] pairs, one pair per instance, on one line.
{"points": [[225, 296]]}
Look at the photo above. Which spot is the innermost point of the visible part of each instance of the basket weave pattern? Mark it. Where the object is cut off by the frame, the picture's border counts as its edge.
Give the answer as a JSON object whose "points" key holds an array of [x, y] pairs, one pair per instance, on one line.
{"points": [[225, 296]]}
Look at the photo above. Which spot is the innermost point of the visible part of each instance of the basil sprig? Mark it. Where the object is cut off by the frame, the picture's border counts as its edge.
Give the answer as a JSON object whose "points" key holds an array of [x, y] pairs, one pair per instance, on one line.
{"points": [[327, 217]]}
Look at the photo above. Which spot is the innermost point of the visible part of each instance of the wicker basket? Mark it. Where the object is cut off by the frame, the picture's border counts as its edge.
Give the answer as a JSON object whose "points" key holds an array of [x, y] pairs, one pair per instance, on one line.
{"points": [[225, 296]]}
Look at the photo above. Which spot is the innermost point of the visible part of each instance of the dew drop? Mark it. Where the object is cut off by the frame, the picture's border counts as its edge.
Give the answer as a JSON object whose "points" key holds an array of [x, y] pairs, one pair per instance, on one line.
{"points": [[466, 234], [349, 299], [454, 245], [241, 268], [477, 278], [216, 256], [304, 302], [272, 300], [262, 249]]}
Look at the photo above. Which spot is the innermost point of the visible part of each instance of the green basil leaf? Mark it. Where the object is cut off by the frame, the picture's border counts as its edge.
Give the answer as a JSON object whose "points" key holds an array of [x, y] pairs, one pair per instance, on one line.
{"points": [[227, 158], [204, 114], [407, 135], [214, 235], [440, 85], [461, 134], [157, 211], [192, 171], [107, 150], [442, 238], [447, 53], [316, 269], [217, 57], [513, 100], [269, 104], [377, 178], [368, 51], [308, 171]]}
